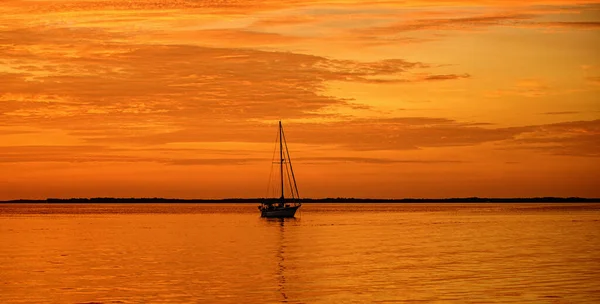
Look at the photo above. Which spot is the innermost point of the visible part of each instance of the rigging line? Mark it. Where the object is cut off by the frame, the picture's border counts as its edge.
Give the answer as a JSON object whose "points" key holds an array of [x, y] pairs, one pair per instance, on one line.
{"points": [[290, 161], [287, 171], [295, 187], [272, 163]]}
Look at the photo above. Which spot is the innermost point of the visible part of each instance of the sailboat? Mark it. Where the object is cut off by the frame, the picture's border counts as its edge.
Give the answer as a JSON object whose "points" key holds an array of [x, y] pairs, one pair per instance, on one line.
{"points": [[282, 207]]}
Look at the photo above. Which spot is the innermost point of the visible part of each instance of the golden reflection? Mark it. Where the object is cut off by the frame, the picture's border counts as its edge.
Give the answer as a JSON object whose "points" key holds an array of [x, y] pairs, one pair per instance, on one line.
{"points": [[280, 254], [337, 253]]}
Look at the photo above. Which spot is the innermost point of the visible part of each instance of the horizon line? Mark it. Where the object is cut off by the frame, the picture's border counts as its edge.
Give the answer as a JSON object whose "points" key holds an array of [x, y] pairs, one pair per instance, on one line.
{"points": [[336, 199]]}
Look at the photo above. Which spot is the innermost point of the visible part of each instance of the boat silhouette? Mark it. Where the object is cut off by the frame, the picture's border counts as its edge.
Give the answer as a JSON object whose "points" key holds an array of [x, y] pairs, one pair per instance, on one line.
{"points": [[282, 207]]}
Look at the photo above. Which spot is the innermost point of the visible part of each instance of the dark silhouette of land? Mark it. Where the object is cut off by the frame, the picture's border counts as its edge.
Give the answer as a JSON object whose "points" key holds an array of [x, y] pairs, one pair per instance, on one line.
{"points": [[101, 200]]}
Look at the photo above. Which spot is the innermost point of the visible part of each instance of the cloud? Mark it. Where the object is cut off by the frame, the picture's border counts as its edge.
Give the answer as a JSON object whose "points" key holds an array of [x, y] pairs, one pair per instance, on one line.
{"points": [[372, 160], [215, 6], [523, 87], [105, 85], [106, 154], [561, 113], [593, 80], [95, 153], [446, 24], [575, 138], [229, 37], [14, 132], [20, 154], [407, 133], [313, 160], [57, 36], [580, 138], [431, 23], [586, 25], [447, 77], [127, 89], [401, 133]]}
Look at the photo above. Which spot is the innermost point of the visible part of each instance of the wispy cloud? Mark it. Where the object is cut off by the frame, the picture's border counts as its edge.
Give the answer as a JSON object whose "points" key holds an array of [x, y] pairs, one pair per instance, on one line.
{"points": [[593, 80], [590, 25], [459, 23], [447, 77], [524, 87], [577, 138], [372, 160], [561, 113]]}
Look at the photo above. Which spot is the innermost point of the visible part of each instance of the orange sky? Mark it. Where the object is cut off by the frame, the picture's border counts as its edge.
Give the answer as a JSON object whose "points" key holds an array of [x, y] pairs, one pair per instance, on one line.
{"points": [[393, 99]]}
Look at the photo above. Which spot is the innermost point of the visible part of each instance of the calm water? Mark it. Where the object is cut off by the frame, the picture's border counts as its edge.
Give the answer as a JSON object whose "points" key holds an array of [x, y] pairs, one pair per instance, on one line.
{"points": [[332, 253]]}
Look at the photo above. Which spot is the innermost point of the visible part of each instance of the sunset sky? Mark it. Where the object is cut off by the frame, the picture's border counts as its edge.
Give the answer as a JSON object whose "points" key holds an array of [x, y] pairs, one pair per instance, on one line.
{"points": [[383, 99]]}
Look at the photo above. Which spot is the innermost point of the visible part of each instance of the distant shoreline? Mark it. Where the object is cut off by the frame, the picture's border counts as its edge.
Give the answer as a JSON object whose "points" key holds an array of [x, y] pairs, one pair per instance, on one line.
{"points": [[108, 200]]}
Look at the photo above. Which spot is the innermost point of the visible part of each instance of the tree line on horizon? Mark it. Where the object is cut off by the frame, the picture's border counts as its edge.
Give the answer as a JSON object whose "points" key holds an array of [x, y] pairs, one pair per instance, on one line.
{"points": [[311, 200]]}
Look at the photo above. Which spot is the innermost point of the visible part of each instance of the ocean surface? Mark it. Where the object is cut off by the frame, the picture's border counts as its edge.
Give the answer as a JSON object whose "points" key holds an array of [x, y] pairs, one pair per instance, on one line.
{"points": [[331, 253]]}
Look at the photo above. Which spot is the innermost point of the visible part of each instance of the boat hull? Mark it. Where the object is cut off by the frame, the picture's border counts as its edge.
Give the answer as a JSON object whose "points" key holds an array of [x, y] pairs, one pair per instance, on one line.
{"points": [[280, 212]]}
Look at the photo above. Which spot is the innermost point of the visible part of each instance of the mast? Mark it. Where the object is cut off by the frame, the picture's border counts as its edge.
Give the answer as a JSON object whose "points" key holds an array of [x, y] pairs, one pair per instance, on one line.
{"points": [[281, 159]]}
